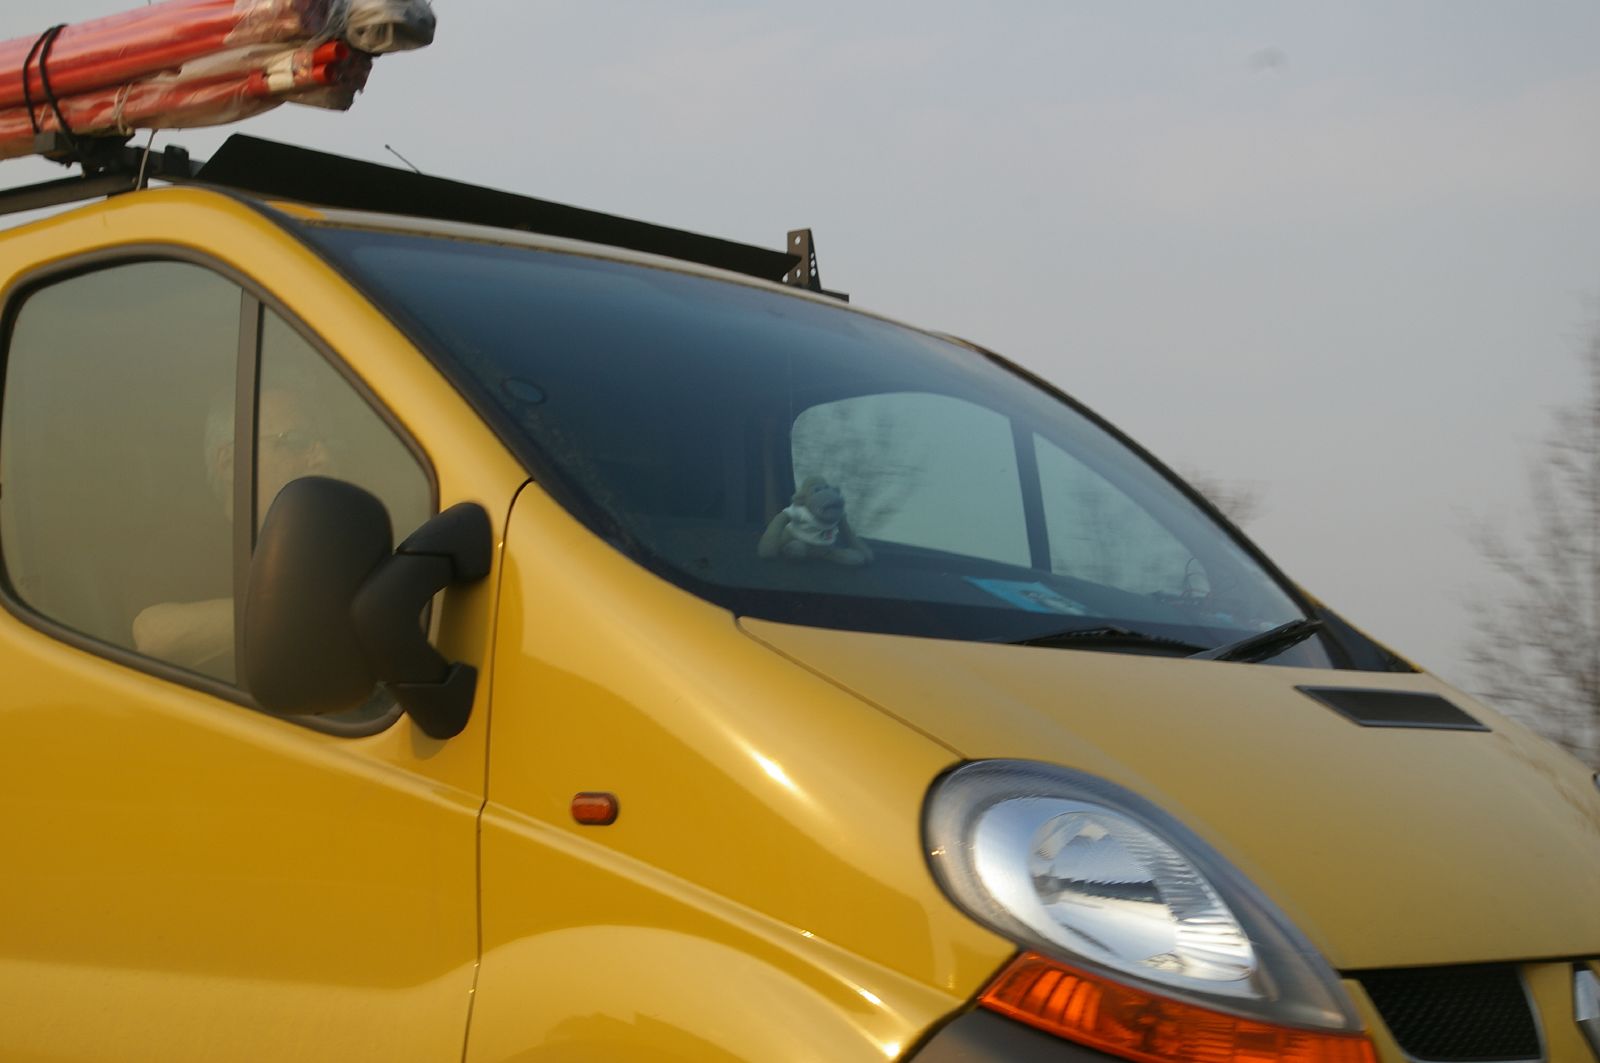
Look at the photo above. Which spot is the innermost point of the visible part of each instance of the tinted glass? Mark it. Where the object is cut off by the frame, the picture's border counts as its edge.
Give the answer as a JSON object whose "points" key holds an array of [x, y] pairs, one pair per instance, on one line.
{"points": [[117, 455], [920, 469], [116, 458], [800, 461], [1098, 533], [311, 422]]}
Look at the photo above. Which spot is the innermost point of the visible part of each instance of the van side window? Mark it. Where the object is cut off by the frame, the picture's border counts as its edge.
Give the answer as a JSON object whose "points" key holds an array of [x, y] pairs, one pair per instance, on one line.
{"points": [[117, 463], [311, 421], [116, 439]]}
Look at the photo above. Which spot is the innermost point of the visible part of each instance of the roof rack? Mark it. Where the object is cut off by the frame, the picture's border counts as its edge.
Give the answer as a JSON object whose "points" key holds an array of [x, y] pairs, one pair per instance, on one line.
{"points": [[267, 168]]}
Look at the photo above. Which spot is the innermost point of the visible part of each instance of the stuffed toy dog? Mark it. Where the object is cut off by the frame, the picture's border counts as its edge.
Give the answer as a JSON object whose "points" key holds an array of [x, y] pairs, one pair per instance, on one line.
{"points": [[814, 527]]}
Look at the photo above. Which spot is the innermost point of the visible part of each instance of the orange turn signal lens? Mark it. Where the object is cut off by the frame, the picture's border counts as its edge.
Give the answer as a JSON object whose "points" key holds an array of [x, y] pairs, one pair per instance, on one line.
{"points": [[594, 808], [1137, 1024]]}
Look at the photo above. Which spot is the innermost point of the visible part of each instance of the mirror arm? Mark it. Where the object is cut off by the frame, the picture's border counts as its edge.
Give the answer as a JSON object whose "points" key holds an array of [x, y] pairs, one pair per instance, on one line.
{"points": [[453, 548]]}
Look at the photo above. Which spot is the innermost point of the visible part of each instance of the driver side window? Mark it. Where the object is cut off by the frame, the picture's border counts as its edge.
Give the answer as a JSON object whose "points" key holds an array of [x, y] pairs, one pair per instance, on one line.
{"points": [[311, 421], [115, 490], [118, 470]]}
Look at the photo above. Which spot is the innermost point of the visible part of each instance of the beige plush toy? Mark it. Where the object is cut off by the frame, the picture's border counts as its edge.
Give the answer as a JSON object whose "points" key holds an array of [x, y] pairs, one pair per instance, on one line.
{"points": [[814, 526]]}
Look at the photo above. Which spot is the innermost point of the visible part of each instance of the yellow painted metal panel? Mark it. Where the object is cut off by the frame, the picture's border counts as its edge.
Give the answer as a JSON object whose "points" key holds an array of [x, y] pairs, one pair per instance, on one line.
{"points": [[181, 863], [1388, 847], [762, 895]]}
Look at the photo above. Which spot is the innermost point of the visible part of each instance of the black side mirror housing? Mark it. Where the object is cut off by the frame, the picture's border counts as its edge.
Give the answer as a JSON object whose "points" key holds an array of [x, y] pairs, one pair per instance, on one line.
{"points": [[320, 541], [330, 610]]}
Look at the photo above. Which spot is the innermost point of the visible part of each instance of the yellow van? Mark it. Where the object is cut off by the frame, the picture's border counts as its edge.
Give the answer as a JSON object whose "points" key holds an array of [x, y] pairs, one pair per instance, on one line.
{"points": [[754, 678]]}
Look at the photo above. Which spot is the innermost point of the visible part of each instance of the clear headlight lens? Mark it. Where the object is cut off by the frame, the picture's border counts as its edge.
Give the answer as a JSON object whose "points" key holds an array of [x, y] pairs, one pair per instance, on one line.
{"points": [[1104, 887], [1074, 866]]}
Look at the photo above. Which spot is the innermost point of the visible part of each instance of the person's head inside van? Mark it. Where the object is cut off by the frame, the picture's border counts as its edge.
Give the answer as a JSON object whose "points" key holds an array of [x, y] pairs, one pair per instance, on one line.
{"points": [[290, 444]]}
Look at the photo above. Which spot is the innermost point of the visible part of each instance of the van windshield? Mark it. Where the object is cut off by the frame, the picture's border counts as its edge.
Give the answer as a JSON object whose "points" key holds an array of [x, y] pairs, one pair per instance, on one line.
{"points": [[803, 462]]}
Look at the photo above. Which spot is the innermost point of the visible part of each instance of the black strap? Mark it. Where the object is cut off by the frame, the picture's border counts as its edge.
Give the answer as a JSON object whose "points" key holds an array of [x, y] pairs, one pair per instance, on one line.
{"points": [[39, 56], [27, 91]]}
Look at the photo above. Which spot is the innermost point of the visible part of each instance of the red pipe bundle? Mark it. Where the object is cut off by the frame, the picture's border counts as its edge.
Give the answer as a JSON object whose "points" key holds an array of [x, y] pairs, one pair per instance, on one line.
{"points": [[111, 51], [201, 99], [177, 64]]}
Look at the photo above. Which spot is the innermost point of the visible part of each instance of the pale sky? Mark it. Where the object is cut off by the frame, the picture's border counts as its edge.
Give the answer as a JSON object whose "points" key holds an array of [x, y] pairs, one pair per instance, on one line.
{"points": [[1341, 253]]}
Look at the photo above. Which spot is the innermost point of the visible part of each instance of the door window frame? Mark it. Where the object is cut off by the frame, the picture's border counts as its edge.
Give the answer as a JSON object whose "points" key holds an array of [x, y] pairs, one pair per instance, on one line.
{"points": [[254, 302]]}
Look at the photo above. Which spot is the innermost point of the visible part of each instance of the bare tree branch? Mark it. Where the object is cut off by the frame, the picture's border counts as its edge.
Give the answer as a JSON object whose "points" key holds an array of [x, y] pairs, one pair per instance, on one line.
{"points": [[1239, 501], [1535, 645]]}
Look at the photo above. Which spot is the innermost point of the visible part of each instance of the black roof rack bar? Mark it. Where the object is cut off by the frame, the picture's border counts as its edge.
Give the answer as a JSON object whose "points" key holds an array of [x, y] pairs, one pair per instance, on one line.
{"points": [[269, 169], [66, 190], [110, 168]]}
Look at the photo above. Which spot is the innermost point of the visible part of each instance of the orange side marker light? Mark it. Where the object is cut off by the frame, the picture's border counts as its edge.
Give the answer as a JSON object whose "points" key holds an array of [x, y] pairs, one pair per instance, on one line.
{"points": [[594, 808]]}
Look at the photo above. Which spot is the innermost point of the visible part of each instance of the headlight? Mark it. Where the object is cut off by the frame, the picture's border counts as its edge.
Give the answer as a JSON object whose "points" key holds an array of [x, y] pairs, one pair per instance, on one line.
{"points": [[1078, 868]]}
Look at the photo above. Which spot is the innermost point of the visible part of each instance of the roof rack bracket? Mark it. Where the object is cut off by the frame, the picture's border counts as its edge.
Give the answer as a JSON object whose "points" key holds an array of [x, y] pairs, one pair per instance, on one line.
{"points": [[96, 154], [805, 274]]}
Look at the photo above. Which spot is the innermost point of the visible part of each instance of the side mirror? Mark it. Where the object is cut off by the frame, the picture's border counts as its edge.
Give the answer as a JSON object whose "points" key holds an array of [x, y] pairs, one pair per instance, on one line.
{"points": [[330, 611]]}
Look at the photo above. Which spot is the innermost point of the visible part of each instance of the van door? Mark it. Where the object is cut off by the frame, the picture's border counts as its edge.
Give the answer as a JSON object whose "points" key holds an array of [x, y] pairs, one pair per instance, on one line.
{"points": [[187, 877]]}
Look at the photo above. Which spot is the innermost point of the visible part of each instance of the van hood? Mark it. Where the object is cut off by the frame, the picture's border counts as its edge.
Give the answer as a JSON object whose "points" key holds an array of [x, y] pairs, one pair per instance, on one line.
{"points": [[1387, 846]]}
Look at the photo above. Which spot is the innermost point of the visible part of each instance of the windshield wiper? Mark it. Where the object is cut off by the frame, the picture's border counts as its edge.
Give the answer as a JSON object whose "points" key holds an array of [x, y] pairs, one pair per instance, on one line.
{"points": [[1266, 644], [1108, 636], [1250, 650]]}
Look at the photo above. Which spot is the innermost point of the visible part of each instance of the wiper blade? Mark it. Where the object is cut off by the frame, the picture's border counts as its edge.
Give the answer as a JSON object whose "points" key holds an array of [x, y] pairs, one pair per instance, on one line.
{"points": [[1266, 644], [1251, 649], [1107, 635]]}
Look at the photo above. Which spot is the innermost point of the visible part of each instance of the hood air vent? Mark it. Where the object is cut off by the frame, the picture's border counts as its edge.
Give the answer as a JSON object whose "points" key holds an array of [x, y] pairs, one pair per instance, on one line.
{"points": [[1394, 708]]}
